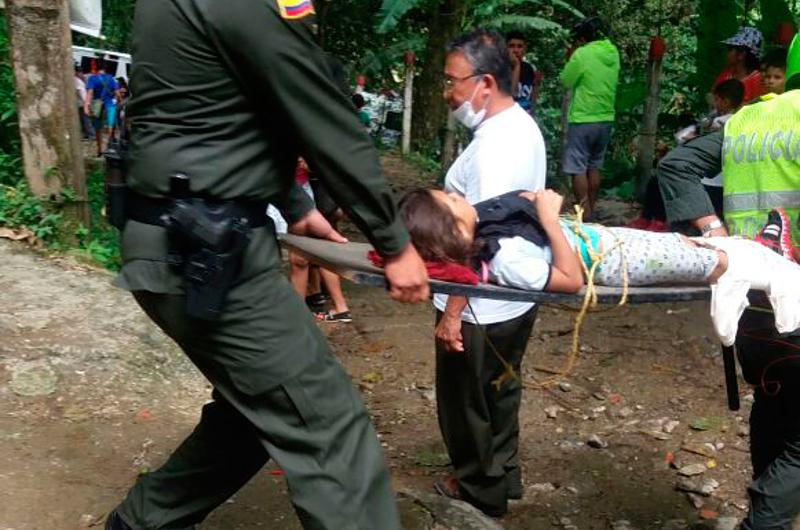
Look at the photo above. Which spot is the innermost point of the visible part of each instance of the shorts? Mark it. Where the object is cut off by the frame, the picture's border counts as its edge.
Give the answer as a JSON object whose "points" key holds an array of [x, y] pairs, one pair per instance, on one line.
{"points": [[108, 119], [585, 147]]}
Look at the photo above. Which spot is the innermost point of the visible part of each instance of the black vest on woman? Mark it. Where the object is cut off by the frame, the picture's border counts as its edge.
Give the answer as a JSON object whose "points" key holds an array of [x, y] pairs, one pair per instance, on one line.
{"points": [[507, 215]]}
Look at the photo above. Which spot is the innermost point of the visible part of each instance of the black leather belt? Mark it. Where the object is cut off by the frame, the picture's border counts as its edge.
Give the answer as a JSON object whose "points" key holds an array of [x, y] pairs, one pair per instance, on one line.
{"points": [[154, 211]]}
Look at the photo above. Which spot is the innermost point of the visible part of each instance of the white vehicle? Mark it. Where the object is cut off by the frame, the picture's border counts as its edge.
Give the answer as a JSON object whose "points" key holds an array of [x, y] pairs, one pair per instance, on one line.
{"points": [[117, 64]]}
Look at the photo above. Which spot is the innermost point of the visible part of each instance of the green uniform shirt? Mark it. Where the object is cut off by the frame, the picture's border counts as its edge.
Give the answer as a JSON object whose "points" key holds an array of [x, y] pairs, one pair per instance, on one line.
{"points": [[680, 174], [231, 93]]}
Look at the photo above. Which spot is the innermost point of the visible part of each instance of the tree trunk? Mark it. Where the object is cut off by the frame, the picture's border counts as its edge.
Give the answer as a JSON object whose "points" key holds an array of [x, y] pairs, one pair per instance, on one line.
{"points": [[430, 111], [41, 56], [449, 146], [408, 106], [647, 137]]}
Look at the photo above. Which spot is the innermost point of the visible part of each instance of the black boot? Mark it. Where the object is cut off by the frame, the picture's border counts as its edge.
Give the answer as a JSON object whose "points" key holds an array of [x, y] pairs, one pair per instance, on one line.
{"points": [[115, 522]]}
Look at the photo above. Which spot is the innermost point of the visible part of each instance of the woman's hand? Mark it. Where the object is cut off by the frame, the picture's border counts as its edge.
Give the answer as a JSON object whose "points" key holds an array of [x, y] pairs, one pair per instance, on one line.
{"points": [[547, 202]]}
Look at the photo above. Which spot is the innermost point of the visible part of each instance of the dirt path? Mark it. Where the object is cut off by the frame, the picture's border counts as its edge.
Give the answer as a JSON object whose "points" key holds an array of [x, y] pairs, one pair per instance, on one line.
{"points": [[91, 394]]}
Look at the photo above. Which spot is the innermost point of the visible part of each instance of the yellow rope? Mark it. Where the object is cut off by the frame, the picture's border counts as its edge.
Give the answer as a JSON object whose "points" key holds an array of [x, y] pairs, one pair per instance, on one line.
{"points": [[589, 297]]}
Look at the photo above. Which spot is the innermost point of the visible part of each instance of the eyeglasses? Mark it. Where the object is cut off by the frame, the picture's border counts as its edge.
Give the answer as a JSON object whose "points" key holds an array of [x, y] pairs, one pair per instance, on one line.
{"points": [[450, 82]]}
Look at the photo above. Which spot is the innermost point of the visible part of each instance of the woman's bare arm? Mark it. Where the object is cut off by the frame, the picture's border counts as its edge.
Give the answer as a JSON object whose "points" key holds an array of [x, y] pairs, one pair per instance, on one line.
{"points": [[566, 275]]}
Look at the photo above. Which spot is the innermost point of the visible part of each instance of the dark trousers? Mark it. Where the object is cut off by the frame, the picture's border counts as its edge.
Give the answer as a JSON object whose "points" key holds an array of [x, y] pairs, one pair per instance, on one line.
{"points": [[312, 421], [772, 364], [480, 423]]}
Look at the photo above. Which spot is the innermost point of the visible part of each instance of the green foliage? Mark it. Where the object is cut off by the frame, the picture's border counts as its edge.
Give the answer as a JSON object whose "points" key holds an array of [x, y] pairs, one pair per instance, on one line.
{"points": [[10, 159], [523, 22], [100, 243], [773, 13], [717, 20], [391, 12], [20, 209], [117, 27]]}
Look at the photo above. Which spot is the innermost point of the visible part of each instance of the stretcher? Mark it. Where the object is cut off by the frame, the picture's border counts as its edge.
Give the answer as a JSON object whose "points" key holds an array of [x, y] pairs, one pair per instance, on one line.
{"points": [[350, 261]]}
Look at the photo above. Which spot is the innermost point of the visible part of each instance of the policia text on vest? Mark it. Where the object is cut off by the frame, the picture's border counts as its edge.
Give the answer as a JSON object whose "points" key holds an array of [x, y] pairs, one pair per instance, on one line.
{"points": [[761, 163]]}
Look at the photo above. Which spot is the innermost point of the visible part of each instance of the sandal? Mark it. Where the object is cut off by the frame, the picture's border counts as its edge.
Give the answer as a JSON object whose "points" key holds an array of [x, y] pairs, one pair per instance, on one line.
{"points": [[330, 316]]}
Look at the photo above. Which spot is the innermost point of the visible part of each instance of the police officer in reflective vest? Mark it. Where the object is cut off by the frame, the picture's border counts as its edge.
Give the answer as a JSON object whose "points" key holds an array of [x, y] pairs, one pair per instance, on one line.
{"points": [[758, 153], [227, 95]]}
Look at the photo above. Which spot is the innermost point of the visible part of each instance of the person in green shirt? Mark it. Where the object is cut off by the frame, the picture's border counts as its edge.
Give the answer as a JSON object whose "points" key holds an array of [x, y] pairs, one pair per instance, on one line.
{"points": [[592, 74], [230, 94]]}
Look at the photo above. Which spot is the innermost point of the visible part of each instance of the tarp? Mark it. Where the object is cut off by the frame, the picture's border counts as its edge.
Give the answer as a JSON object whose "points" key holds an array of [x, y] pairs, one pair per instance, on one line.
{"points": [[86, 16]]}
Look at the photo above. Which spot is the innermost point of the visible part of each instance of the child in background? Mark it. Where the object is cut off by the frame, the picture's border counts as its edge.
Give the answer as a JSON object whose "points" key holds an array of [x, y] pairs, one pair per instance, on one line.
{"points": [[773, 71], [728, 98]]}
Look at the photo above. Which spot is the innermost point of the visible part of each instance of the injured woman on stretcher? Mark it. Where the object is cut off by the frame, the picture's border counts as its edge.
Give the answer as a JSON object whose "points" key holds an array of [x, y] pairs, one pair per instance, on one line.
{"points": [[520, 240]]}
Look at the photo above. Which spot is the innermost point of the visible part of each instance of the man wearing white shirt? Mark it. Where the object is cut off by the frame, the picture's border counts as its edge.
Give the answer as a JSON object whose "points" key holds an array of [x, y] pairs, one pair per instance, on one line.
{"points": [[479, 422]]}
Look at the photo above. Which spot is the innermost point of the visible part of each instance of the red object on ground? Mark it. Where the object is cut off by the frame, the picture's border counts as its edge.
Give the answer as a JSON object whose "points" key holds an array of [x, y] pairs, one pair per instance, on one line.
{"points": [[658, 226], [144, 415], [640, 223], [657, 48], [438, 270], [651, 225], [275, 472]]}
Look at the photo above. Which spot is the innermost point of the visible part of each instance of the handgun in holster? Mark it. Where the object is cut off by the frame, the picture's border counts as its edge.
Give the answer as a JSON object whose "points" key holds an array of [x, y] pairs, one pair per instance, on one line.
{"points": [[206, 244]]}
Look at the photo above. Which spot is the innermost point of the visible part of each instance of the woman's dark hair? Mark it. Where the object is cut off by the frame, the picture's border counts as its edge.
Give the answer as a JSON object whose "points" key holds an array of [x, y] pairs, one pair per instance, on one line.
{"points": [[434, 229], [486, 52]]}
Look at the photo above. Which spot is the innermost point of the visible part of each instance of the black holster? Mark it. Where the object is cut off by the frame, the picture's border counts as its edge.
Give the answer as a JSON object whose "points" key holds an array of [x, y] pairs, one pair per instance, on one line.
{"points": [[206, 245], [115, 187]]}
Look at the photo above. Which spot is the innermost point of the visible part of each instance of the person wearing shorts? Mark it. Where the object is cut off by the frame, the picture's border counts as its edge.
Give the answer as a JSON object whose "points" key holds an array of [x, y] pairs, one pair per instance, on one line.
{"points": [[102, 87], [592, 74]]}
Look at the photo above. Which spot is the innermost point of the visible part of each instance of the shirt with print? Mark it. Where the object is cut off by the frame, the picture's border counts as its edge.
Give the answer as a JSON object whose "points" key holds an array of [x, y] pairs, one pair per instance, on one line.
{"points": [[527, 77], [507, 153]]}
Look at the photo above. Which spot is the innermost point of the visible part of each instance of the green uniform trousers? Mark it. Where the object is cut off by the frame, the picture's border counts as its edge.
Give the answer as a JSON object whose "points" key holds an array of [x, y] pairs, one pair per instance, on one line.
{"points": [[313, 423], [772, 363], [479, 423]]}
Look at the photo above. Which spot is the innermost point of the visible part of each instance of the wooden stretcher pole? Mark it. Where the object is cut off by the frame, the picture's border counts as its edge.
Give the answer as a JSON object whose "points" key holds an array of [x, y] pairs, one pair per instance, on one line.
{"points": [[731, 382]]}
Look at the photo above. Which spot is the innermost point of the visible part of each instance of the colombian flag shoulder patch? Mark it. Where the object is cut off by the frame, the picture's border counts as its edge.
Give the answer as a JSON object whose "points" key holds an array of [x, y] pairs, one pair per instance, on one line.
{"points": [[295, 9]]}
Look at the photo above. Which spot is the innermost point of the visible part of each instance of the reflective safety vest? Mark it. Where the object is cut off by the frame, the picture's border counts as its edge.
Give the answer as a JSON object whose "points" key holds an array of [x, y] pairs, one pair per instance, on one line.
{"points": [[761, 164]]}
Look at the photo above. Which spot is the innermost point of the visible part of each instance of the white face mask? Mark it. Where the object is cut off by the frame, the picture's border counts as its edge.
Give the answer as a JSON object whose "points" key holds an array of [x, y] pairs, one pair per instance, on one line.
{"points": [[467, 115]]}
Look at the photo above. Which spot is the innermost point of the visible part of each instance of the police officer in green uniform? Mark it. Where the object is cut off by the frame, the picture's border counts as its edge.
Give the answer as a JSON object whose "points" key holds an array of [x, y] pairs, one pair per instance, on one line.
{"points": [[758, 153], [229, 94]]}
